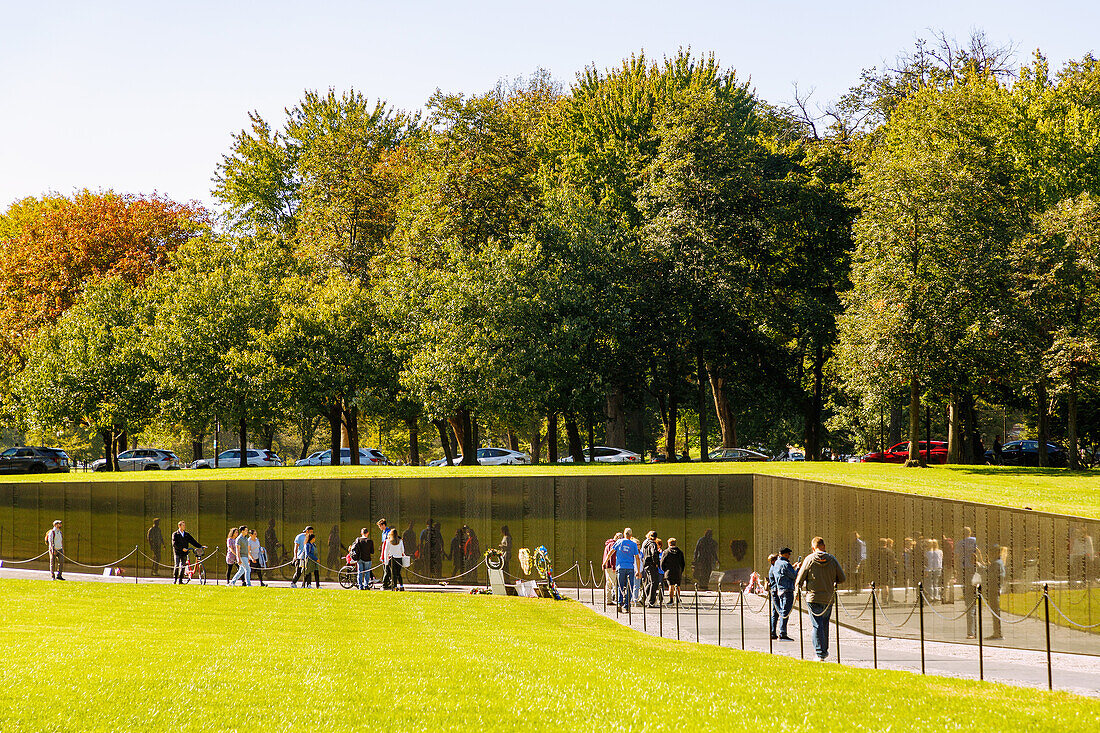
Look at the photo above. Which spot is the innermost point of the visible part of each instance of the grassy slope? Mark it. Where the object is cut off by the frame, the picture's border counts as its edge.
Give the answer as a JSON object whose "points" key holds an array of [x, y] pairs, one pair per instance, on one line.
{"points": [[1081, 606], [161, 657], [1051, 490]]}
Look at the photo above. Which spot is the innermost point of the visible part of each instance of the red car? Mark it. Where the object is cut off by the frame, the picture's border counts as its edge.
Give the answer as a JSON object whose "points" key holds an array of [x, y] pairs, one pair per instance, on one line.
{"points": [[899, 453]]}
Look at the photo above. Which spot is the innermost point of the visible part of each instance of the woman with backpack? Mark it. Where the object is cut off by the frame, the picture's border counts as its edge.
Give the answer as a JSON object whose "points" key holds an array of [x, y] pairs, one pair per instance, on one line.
{"points": [[312, 562], [673, 563], [393, 556]]}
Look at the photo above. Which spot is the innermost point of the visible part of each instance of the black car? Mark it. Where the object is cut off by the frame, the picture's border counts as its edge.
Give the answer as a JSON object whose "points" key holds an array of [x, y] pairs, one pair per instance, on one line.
{"points": [[24, 459], [1026, 453]]}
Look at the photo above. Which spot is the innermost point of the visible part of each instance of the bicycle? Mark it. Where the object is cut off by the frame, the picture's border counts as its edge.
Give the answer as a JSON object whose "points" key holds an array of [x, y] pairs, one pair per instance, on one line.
{"points": [[195, 568]]}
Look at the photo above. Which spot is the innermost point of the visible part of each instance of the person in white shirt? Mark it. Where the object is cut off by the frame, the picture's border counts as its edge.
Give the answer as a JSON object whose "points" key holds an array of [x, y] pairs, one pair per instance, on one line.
{"points": [[933, 570], [256, 556], [54, 542], [393, 554]]}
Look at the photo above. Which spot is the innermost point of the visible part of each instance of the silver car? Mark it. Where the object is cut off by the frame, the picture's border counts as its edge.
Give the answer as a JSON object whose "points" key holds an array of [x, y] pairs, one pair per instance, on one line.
{"points": [[492, 457], [142, 459], [256, 457], [603, 454]]}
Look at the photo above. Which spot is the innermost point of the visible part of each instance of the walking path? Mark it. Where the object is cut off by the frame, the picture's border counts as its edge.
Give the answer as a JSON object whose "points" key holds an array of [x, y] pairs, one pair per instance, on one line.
{"points": [[1076, 673]]}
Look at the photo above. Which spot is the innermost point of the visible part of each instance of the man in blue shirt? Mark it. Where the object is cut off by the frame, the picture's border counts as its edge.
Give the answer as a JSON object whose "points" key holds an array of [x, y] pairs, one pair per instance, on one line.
{"points": [[781, 579], [628, 563], [299, 556]]}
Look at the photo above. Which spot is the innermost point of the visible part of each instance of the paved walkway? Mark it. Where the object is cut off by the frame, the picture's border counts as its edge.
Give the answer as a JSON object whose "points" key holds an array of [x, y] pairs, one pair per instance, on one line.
{"points": [[1076, 673]]}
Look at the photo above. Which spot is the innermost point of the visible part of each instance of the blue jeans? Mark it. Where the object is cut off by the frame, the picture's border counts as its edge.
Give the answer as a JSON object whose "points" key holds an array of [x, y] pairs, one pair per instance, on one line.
{"points": [[626, 586], [243, 572], [363, 576], [774, 619], [819, 621], [784, 603]]}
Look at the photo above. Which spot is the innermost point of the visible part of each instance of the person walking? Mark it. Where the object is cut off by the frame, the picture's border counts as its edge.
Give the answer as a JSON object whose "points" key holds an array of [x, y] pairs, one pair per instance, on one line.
{"points": [[256, 559], [156, 541], [55, 543], [705, 558], [457, 556], [312, 561], [300, 542], [969, 558], [181, 542], [393, 556], [628, 565], [505, 547], [271, 542], [995, 574], [361, 550], [857, 556], [471, 550], [782, 577], [244, 570], [336, 548], [933, 570], [673, 563], [610, 573], [232, 559], [423, 555], [436, 553], [819, 574], [884, 570], [651, 561]]}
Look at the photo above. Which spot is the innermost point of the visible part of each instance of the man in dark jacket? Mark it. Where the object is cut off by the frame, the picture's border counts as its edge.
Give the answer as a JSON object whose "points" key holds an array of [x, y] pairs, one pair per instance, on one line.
{"points": [[651, 560], [673, 563], [706, 555], [361, 550], [781, 578], [181, 541], [819, 574]]}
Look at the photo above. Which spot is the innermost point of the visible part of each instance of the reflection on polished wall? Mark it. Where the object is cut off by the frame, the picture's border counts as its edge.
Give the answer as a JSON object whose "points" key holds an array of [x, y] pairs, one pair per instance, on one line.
{"points": [[571, 515]]}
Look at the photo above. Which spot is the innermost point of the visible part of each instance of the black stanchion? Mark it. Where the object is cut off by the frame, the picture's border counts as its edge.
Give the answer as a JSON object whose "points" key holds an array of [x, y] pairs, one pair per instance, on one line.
{"points": [[697, 639], [920, 602], [874, 626], [742, 604], [836, 611], [801, 638], [1046, 621], [592, 575], [719, 614], [771, 611], [661, 620], [137, 564], [981, 656], [677, 618], [644, 604]]}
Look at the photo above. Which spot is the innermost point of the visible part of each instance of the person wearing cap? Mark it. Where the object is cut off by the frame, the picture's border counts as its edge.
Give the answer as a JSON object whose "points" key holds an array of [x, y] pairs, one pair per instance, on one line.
{"points": [[651, 560], [781, 578], [300, 555], [819, 574], [54, 542]]}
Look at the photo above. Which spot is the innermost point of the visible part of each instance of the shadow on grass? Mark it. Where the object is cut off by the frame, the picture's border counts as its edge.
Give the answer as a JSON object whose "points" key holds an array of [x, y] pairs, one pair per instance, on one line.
{"points": [[1020, 471]]}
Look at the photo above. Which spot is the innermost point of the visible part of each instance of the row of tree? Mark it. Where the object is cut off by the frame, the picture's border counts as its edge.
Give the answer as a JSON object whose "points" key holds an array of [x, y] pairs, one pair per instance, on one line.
{"points": [[652, 240]]}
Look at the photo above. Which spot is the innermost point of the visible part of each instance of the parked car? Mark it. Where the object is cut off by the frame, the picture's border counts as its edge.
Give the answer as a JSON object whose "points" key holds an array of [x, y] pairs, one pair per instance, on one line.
{"points": [[232, 459], [142, 459], [1026, 453], [899, 453], [34, 459], [736, 454], [604, 454], [492, 457], [367, 457]]}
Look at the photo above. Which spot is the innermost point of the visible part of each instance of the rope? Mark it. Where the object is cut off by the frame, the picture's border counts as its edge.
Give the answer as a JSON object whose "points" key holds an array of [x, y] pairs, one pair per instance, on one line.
{"points": [[932, 608], [108, 565], [828, 608], [23, 562], [1020, 620], [1071, 621], [464, 573], [865, 607], [886, 618]]}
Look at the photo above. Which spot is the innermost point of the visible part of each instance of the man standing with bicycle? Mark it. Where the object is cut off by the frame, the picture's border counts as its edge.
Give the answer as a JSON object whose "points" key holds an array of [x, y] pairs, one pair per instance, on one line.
{"points": [[181, 541]]}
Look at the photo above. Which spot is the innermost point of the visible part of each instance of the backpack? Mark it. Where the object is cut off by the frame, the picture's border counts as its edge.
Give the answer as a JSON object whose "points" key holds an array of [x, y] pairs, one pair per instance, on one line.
{"points": [[353, 555]]}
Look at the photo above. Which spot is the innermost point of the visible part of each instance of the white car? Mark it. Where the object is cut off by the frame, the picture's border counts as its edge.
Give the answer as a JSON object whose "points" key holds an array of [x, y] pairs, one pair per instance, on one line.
{"points": [[367, 457], [142, 459], [232, 459], [608, 455], [492, 457]]}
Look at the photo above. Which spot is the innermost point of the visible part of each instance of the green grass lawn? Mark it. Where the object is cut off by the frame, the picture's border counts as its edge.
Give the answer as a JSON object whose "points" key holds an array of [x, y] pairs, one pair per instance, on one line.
{"points": [[1080, 605], [1050, 490], [92, 657]]}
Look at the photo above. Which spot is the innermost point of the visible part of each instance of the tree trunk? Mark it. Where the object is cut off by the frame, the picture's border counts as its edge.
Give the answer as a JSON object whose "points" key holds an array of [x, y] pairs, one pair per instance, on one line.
{"points": [[242, 437], [351, 420], [973, 450], [670, 427], [914, 422], [701, 407], [513, 440], [615, 427], [894, 436], [955, 432], [573, 433], [552, 437], [536, 441], [413, 424], [335, 426], [445, 441], [196, 446], [1071, 423], [591, 439], [727, 423], [1041, 400], [307, 428], [110, 460], [463, 428]]}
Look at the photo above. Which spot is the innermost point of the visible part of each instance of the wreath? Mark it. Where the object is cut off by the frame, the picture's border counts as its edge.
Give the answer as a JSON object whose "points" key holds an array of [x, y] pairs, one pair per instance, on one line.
{"points": [[524, 556], [494, 559]]}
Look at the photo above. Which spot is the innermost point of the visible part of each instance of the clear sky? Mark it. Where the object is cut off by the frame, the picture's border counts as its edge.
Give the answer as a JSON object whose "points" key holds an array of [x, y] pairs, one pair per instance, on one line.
{"points": [[143, 96]]}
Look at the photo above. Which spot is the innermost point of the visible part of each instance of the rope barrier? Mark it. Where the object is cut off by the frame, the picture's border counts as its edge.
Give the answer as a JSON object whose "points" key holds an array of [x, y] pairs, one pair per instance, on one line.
{"points": [[1020, 620], [886, 618], [24, 562], [1071, 621], [108, 565], [932, 608], [410, 571]]}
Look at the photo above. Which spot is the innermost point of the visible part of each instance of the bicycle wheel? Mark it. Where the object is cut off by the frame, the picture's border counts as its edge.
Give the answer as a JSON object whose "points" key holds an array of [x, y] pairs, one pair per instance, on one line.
{"points": [[202, 575], [347, 576], [186, 578]]}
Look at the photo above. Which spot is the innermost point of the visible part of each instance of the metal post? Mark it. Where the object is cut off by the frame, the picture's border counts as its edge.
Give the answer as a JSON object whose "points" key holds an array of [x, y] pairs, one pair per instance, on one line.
{"points": [[719, 613], [661, 620], [677, 618], [771, 610], [697, 613], [981, 657], [742, 604], [874, 625], [836, 617], [920, 602], [1046, 621], [592, 592], [644, 604], [629, 608], [801, 639], [137, 560]]}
